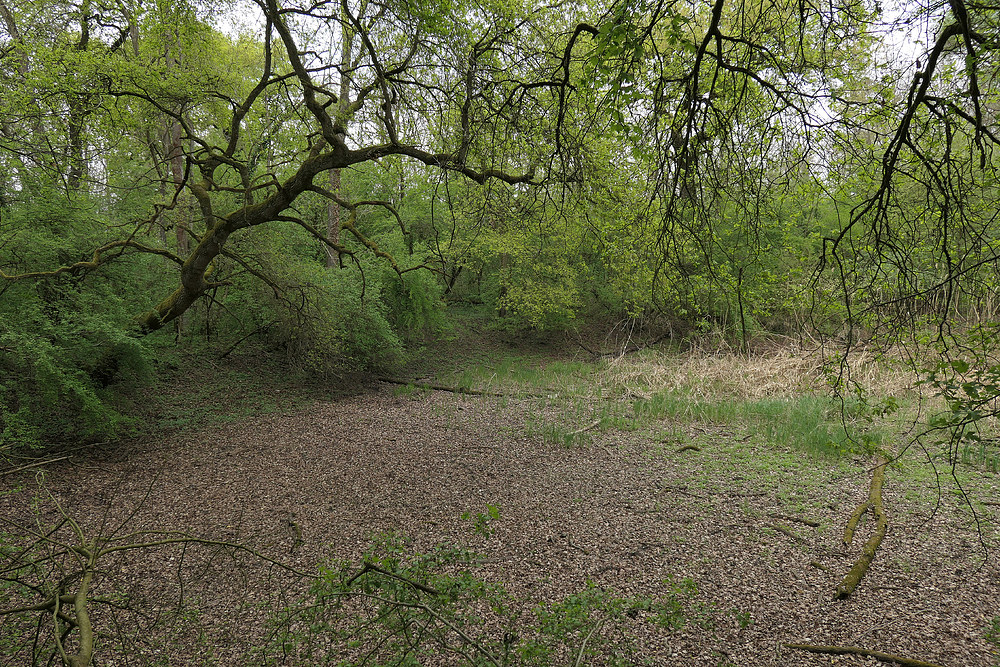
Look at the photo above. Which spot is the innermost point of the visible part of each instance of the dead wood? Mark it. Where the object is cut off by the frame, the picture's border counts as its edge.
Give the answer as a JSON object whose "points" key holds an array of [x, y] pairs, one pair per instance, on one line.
{"points": [[439, 387], [853, 650], [874, 504], [808, 522], [789, 533], [34, 464], [593, 424]]}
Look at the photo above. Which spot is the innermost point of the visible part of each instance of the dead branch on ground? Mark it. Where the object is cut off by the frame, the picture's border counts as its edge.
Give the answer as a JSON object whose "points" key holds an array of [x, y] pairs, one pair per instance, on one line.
{"points": [[874, 504], [853, 650], [53, 574]]}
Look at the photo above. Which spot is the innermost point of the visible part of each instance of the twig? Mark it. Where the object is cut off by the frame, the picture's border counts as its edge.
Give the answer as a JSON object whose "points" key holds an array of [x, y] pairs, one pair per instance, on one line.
{"points": [[36, 464], [853, 650], [583, 646], [789, 533], [595, 423], [371, 567], [438, 617], [808, 522]]}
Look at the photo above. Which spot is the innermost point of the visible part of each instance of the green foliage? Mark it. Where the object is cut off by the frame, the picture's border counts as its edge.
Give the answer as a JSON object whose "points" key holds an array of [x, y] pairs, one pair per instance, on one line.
{"points": [[47, 393], [406, 608], [966, 430], [413, 302], [322, 319], [13, 629], [65, 341], [991, 633], [558, 434], [399, 608], [480, 521]]}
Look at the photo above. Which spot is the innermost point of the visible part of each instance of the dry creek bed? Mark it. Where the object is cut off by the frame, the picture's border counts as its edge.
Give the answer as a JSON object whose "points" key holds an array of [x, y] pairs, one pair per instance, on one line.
{"points": [[626, 512]]}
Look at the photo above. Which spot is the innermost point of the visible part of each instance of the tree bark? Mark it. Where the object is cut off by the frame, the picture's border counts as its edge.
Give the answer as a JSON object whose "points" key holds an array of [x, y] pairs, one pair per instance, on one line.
{"points": [[333, 221], [874, 504]]}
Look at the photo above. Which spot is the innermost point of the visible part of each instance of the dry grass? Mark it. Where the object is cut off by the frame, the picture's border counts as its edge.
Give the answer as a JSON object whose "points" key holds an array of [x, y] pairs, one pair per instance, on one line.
{"points": [[782, 372]]}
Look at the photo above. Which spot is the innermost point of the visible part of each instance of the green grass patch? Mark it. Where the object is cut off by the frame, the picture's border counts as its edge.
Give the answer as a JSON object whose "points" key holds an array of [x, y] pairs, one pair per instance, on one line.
{"points": [[811, 423], [558, 434]]}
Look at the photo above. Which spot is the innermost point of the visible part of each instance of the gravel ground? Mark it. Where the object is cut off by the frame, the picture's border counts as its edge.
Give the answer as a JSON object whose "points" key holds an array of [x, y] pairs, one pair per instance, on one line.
{"points": [[626, 512]]}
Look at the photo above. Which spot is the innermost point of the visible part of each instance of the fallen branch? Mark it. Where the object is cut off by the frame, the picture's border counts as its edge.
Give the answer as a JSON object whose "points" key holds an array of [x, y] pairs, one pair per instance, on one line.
{"points": [[789, 533], [808, 522], [873, 503], [595, 423], [35, 464], [440, 387], [853, 650]]}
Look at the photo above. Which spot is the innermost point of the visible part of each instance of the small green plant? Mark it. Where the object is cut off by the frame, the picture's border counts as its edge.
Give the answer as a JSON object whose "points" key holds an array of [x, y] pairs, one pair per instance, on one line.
{"points": [[557, 434], [743, 618], [991, 634], [992, 631], [411, 391], [481, 520], [400, 607]]}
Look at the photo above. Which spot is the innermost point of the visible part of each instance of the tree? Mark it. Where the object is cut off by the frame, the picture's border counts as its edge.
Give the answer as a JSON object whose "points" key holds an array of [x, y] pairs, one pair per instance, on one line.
{"points": [[405, 72]]}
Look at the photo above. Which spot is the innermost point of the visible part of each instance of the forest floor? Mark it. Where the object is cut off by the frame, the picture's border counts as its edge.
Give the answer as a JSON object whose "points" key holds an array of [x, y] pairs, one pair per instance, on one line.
{"points": [[589, 488]]}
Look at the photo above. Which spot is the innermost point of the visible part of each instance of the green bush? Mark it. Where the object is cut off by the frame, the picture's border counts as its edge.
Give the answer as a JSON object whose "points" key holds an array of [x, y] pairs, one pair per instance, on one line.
{"points": [[57, 369], [323, 320], [414, 302], [400, 607], [65, 340]]}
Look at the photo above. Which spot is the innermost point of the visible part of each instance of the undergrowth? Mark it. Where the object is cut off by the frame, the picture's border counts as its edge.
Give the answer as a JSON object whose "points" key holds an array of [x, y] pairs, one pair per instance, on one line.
{"points": [[402, 607], [195, 389]]}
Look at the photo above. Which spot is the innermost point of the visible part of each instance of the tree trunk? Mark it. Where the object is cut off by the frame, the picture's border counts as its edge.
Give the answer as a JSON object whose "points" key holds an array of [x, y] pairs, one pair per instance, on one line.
{"points": [[333, 221], [343, 101]]}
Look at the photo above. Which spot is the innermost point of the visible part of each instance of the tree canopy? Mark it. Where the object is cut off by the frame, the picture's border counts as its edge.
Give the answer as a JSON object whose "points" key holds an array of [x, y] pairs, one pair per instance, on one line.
{"points": [[289, 170]]}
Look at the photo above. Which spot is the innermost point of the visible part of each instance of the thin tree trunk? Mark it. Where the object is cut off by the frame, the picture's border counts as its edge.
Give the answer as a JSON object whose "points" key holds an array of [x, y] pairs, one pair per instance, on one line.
{"points": [[174, 146], [336, 186], [333, 221]]}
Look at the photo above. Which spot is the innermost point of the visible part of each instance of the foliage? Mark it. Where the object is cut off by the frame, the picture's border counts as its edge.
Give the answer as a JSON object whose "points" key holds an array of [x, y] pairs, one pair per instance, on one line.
{"points": [[965, 431], [481, 520], [815, 424], [402, 607], [66, 341], [740, 170], [992, 634], [322, 320]]}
